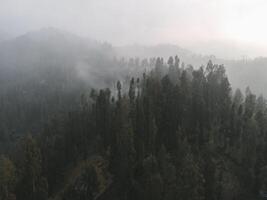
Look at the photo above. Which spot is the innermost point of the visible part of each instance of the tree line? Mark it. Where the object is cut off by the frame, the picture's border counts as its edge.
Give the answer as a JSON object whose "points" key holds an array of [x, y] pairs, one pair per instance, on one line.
{"points": [[174, 132]]}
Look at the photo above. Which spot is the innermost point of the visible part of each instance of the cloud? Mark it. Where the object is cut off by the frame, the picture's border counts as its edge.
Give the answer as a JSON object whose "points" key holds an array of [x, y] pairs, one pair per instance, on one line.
{"points": [[141, 21]]}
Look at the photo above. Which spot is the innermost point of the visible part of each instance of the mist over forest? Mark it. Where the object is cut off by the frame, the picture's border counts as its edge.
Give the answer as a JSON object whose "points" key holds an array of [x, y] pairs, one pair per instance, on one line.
{"points": [[62, 48], [133, 100]]}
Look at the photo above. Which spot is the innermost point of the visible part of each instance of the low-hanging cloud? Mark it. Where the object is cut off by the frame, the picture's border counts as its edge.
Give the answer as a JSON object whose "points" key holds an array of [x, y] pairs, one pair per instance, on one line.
{"points": [[183, 22]]}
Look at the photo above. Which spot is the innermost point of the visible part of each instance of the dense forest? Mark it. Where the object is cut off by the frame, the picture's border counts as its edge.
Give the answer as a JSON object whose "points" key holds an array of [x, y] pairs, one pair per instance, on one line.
{"points": [[170, 132]]}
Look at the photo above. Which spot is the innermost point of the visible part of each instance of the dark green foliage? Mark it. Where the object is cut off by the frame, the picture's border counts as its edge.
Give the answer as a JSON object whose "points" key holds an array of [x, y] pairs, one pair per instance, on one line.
{"points": [[31, 184], [85, 186], [174, 133], [7, 178]]}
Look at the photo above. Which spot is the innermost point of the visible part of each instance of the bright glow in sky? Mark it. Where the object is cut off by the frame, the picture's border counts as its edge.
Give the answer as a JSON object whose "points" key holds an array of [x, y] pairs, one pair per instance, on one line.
{"points": [[245, 20], [143, 21]]}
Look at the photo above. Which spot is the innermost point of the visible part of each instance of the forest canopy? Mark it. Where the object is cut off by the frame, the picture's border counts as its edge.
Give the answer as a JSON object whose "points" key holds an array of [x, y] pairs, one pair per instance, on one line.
{"points": [[171, 132]]}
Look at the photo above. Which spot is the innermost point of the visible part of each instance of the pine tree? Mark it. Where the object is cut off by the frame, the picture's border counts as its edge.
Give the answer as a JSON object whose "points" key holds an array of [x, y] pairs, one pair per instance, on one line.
{"points": [[7, 178], [31, 184]]}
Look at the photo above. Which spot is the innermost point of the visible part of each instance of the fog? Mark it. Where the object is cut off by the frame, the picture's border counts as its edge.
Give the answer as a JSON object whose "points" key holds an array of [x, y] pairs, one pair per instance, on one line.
{"points": [[203, 26], [133, 99], [229, 32]]}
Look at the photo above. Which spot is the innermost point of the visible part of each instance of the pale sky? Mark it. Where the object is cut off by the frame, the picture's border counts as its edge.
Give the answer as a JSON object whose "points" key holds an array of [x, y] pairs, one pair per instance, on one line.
{"points": [[143, 21]]}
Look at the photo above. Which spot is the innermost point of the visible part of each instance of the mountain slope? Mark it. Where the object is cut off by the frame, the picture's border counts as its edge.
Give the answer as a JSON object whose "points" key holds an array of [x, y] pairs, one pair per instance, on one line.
{"points": [[42, 74]]}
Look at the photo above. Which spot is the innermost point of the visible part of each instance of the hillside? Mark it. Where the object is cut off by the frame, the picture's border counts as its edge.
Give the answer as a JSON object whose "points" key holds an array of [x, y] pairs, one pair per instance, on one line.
{"points": [[242, 73], [43, 74], [171, 133]]}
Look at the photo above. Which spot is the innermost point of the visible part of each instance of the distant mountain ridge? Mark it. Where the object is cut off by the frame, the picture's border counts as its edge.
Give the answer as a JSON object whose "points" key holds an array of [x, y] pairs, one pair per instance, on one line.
{"points": [[241, 72], [162, 50], [50, 42], [53, 47]]}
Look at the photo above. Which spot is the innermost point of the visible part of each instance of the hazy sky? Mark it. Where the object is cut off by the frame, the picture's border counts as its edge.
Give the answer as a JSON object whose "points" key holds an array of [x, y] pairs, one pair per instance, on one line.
{"points": [[143, 21]]}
